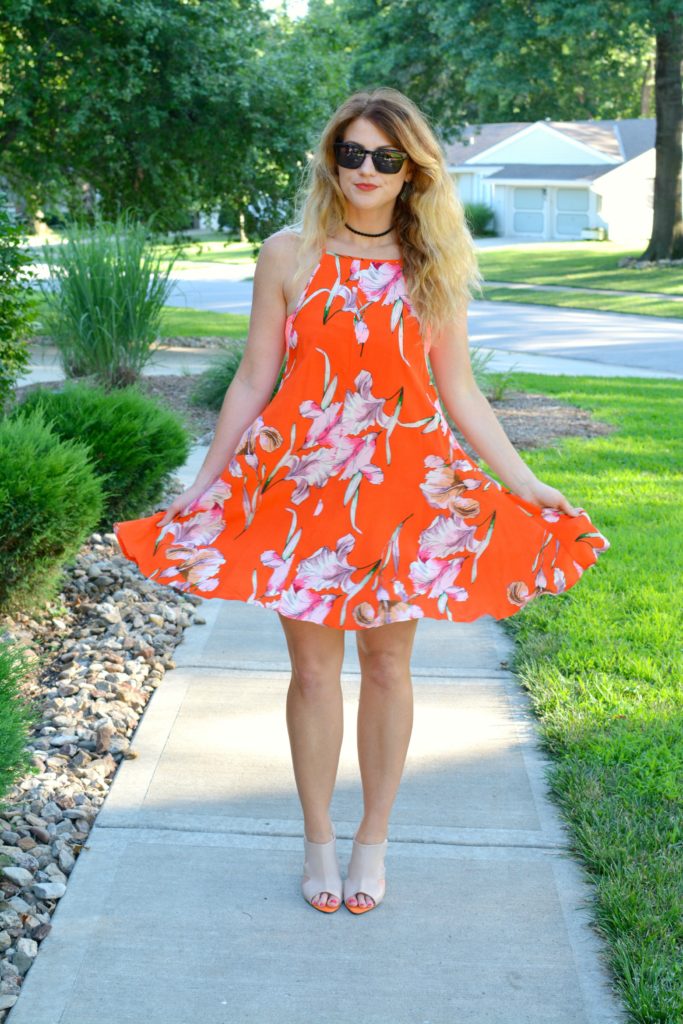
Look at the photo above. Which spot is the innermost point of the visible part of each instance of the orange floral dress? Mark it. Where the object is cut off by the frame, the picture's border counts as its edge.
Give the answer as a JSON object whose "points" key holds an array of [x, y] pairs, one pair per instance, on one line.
{"points": [[348, 501]]}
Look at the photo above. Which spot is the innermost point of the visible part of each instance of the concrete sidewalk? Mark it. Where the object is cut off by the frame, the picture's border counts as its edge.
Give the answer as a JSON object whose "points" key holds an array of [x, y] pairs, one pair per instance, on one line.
{"points": [[185, 906]]}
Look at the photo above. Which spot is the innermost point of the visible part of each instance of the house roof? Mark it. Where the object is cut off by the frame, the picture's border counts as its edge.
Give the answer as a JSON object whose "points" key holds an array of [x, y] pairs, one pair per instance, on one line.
{"points": [[623, 138], [637, 135], [563, 172]]}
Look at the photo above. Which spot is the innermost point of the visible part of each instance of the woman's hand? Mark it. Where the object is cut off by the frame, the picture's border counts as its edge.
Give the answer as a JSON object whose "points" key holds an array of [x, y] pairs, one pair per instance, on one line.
{"points": [[181, 502], [542, 494]]}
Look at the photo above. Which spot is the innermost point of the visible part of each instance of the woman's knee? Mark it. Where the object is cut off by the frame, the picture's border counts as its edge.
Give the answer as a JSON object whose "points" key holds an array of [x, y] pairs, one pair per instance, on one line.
{"points": [[385, 669], [316, 657], [385, 658], [315, 680]]}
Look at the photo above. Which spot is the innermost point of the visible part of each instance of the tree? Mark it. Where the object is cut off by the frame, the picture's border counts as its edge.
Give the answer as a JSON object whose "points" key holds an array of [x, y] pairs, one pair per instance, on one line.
{"points": [[472, 61], [126, 99], [291, 91], [155, 105], [667, 227]]}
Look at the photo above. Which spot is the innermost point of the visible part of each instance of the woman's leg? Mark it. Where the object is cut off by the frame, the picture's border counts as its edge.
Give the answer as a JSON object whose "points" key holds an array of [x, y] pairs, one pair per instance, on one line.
{"points": [[315, 720], [385, 722]]}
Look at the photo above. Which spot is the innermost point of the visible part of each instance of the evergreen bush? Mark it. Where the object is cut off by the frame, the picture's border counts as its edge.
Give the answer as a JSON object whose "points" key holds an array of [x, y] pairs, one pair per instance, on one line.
{"points": [[50, 501], [134, 442]]}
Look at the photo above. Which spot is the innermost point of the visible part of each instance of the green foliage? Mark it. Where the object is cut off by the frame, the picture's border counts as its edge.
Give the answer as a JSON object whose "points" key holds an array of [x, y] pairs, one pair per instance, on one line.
{"points": [[161, 107], [302, 67], [16, 310], [50, 500], [103, 304], [469, 62], [17, 715], [133, 442], [133, 99], [495, 384], [479, 217]]}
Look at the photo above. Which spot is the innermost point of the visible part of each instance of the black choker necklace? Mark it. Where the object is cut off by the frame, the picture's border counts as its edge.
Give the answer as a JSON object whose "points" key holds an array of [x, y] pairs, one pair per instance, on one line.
{"points": [[369, 234]]}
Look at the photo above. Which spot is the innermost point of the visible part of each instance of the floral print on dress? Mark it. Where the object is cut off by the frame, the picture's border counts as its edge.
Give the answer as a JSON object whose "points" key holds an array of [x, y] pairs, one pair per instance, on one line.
{"points": [[348, 501]]}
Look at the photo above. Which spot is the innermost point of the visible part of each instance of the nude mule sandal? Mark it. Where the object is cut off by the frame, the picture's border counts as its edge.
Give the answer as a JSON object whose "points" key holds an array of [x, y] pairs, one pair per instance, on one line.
{"points": [[366, 874], [321, 873]]}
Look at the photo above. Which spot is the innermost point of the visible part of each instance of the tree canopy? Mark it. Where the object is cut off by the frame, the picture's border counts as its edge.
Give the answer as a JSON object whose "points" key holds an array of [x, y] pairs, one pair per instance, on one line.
{"points": [[164, 105], [179, 105]]}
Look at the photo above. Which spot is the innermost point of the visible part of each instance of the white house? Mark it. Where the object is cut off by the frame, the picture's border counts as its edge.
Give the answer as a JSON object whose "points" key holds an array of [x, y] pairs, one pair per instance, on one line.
{"points": [[556, 179]]}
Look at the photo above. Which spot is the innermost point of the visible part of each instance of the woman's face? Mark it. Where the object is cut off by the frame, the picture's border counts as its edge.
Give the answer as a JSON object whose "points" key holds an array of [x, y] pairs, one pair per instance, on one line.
{"points": [[387, 186]]}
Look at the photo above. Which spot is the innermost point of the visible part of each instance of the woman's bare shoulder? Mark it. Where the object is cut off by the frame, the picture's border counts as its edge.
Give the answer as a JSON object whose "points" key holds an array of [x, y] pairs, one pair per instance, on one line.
{"points": [[284, 246], [284, 243]]}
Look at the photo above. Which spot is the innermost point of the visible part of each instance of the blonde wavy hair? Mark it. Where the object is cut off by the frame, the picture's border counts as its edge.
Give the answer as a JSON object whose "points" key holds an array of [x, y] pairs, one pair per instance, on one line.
{"points": [[439, 258]]}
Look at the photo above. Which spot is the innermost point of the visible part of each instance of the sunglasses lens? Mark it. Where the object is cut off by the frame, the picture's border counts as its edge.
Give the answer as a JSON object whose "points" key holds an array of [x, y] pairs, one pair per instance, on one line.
{"points": [[389, 161], [349, 154]]}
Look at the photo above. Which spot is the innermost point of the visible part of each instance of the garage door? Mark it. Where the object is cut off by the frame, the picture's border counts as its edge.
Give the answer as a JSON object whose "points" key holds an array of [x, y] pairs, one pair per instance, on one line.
{"points": [[528, 211], [571, 212]]}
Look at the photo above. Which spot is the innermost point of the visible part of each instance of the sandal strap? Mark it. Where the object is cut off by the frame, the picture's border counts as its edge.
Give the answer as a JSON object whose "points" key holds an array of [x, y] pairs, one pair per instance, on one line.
{"points": [[366, 870], [321, 869]]}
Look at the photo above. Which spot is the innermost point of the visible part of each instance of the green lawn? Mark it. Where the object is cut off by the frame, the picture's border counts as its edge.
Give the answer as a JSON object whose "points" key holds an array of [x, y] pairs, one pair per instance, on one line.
{"points": [[578, 265], [603, 665], [178, 321], [644, 305], [211, 248]]}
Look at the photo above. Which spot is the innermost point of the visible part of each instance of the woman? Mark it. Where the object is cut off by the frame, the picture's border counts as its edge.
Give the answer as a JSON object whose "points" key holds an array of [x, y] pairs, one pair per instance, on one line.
{"points": [[345, 502]]}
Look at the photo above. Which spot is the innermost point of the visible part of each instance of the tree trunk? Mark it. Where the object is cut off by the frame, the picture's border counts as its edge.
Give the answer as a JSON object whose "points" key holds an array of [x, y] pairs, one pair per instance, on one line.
{"points": [[667, 225]]}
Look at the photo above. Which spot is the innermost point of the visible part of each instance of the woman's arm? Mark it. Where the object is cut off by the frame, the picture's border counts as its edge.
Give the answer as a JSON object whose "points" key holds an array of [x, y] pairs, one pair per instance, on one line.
{"points": [[449, 358], [252, 385]]}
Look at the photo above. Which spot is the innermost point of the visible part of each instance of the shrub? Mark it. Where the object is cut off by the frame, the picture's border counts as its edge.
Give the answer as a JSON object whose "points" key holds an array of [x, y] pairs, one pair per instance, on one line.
{"points": [[215, 381], [50, 501], [17, 715], [17, 310], [134, 442], [479, 218], [104, 300]]}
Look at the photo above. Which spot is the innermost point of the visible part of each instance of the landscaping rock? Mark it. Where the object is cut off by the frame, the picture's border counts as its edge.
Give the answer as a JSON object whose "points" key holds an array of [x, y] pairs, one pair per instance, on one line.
{"points": [[49, 890], [25, 953], [20, 876]]}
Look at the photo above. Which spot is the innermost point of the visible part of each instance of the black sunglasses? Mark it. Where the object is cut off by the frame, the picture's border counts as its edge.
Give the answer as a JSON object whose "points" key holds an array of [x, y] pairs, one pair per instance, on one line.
{"points": [[386, 159]]}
